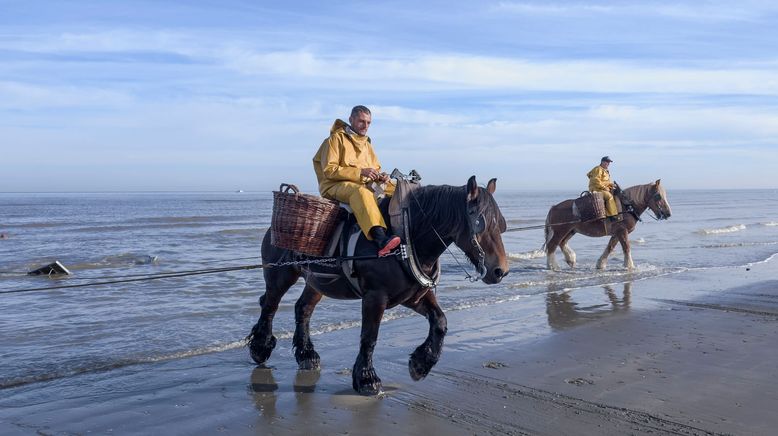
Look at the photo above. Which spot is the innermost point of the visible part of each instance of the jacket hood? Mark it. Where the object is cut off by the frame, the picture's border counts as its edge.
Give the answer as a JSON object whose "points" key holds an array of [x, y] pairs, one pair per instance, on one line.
{"points": [[338, 125]]}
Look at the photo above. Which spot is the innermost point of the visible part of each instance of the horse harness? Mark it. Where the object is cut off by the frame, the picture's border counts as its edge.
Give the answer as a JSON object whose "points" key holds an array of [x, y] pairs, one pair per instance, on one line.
{"points": [[346, 235]]}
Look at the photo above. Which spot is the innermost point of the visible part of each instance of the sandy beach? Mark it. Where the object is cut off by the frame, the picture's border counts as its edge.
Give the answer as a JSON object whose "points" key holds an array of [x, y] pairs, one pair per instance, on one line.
{"points": [[688, 353]]}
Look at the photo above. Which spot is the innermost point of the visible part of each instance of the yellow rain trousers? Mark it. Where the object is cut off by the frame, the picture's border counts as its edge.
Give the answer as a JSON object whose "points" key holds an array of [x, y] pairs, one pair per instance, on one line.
{"points": [[338, 163], [600, 180]]}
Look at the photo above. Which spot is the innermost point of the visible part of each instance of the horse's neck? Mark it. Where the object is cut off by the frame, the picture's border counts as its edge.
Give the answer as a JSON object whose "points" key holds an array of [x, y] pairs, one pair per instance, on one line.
{"points": [[638, 195], [432, 229]]}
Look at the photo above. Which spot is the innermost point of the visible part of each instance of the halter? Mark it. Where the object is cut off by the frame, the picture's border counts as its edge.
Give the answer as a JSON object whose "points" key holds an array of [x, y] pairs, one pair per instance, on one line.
{"points": [[477, 224], [657, 197]]}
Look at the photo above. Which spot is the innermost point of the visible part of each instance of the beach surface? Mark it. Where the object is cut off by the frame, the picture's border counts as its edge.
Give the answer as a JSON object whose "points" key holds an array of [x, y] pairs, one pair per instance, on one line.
{"points": [[687, 353]]}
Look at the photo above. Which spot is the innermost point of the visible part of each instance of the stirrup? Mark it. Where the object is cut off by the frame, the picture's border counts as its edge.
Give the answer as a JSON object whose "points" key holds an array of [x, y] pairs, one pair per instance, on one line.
{"points": [[391, 244]]}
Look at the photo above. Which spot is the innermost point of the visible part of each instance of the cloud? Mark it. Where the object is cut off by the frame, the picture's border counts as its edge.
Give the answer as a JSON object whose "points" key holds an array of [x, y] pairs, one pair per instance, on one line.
{"points": [[713, 11], [452, 72]]}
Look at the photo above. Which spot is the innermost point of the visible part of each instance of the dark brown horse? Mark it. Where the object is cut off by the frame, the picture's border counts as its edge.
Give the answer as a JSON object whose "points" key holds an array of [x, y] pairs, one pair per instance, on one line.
{"points": [[467, 216], [561, 225]]}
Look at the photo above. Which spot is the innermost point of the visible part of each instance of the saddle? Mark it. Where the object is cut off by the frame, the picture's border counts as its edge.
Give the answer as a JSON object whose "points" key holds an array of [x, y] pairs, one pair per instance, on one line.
{"points": [[346, 234]]}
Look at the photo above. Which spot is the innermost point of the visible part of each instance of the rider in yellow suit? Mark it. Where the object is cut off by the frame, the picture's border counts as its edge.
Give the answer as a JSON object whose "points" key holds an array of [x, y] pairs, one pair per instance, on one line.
{"points": [[346, 166], [600, 181]]}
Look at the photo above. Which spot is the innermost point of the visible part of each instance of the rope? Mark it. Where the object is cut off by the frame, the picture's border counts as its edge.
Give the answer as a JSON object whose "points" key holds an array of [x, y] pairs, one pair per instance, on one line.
{"points": [[175, 274], [161, 276]]}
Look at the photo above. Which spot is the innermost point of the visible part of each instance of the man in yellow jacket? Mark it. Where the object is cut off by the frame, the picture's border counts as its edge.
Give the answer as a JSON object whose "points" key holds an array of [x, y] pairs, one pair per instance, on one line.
{"points": [[600, 181], [346, 166]]}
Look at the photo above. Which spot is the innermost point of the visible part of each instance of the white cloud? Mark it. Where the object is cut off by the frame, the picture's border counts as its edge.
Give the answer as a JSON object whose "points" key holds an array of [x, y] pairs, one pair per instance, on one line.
{"points": [[714, 11]]}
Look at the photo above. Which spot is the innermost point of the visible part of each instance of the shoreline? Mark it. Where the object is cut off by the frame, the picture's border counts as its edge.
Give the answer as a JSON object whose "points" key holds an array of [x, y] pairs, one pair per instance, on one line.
{"points": [[689, 353]]}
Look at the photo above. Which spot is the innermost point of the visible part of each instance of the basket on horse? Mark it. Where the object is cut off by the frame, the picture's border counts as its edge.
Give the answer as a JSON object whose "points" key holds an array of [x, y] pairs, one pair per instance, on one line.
{"points": [[302, 222]]}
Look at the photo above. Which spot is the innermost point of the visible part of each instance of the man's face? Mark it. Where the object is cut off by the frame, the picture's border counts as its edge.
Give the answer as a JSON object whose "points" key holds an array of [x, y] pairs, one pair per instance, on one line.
{"points": [[605, 164], [360, 122]]}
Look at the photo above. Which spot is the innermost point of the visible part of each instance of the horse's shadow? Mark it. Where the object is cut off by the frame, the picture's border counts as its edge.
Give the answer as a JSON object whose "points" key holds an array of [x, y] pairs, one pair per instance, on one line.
{"points": [[564, 313]]}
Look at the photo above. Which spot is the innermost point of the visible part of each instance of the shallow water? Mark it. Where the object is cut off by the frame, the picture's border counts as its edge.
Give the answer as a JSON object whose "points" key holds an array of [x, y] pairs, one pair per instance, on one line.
{"points": [[54, 334]]}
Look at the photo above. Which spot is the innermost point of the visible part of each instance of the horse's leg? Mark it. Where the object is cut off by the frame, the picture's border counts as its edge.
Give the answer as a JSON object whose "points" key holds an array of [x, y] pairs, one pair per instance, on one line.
{"points": [[624, 240], [602, 262], [306, 356], [567, 251], [261, 341], [552, 242], [363, 377], [427, 354]]}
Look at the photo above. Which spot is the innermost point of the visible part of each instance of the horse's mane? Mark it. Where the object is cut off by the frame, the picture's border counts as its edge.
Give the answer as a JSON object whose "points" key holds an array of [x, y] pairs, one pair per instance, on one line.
{"points": [[441, 206], [445, 207], [638, 192]]}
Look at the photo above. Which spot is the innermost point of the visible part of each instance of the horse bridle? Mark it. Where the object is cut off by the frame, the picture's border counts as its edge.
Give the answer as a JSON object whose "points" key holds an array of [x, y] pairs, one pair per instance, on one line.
{"points": [[477, 224], [657, 197]]}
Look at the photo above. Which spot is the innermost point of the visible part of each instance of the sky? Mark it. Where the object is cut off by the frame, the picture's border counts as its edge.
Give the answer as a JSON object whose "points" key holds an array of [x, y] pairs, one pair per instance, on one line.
{"points": [[225, 95]]}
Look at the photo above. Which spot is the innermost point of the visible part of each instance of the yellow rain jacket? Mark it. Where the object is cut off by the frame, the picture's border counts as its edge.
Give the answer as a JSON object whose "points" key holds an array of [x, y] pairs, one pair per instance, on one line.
{"points": [[600, 180], [338, 163]]}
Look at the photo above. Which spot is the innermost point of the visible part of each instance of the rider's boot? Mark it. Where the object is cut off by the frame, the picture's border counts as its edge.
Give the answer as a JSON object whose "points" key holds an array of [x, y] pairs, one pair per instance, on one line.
{"points": [[386, 243]]}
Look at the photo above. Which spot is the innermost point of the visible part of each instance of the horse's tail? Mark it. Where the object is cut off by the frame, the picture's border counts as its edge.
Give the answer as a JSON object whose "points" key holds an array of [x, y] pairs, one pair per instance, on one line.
{"points": [[549, 233]]}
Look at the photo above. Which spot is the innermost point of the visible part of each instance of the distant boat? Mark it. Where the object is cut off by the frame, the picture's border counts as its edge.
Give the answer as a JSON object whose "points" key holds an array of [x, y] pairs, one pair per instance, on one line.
{"points": [[239, 191]]}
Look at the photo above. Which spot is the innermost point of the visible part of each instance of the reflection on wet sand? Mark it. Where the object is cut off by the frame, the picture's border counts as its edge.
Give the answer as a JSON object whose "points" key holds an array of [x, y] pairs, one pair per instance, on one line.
{"points": [[564, 313], [305, 381], [262, 388]]}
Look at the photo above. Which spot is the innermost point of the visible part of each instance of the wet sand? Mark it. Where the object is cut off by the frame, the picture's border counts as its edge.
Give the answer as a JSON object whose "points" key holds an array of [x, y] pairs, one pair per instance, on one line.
{"points": [[690, 353]]}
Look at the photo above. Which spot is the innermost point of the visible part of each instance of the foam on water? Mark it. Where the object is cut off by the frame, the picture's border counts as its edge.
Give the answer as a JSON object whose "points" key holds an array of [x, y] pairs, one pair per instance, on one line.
{"points": [[728, 229], [534, 254]]}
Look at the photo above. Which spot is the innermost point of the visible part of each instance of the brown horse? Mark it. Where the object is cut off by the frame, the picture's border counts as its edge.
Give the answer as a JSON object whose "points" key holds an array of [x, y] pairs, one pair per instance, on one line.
{"points": [[561, 225], [467, 216]]}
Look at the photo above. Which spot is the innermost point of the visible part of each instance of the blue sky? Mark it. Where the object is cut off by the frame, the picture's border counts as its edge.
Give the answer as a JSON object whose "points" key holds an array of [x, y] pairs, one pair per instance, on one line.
{"points": [[224, 95]]}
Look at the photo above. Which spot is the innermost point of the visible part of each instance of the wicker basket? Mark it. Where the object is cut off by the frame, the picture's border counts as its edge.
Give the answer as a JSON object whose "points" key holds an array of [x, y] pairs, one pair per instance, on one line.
{"points": [[589, 206], [302, 222]]}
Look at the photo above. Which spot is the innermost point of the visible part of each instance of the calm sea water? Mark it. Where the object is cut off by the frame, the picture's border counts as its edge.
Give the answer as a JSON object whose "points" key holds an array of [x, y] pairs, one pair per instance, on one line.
{"points": [[60, 333]]}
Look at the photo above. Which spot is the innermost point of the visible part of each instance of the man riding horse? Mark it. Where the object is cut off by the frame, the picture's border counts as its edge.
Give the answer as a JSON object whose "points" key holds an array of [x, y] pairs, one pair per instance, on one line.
{"points": [[600, 181], [346, 166]]}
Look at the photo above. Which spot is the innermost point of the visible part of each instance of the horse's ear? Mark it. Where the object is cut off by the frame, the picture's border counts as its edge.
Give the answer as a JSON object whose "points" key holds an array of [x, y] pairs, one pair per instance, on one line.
{"points": [[491, 186], [657, 182], [472, 189]]}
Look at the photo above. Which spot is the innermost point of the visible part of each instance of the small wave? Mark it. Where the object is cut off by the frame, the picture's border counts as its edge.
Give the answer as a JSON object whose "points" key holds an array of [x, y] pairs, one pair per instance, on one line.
{"points": [[251, 231], [108, 365], [741, 244], [770, 224], [119, 260], [534, 254], [730, 229], [639, 241]]}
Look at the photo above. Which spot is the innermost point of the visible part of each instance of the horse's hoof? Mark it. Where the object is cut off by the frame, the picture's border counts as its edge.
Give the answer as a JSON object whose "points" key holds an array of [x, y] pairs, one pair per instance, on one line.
{"points": [[371, 390], [261, 352], [366, 382], [420, 363], [307, 359]]}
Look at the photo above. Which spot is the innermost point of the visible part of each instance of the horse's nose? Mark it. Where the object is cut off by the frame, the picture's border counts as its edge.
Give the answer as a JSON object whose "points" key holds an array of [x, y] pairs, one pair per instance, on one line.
{"points": [[499, 273]]}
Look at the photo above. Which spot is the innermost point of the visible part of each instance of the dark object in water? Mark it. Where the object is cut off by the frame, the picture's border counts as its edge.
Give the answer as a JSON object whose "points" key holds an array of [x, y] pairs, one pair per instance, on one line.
{"points": [[50, 270]]}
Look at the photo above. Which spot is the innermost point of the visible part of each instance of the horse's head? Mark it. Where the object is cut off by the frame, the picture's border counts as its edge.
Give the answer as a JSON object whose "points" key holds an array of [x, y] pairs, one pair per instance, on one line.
{"points": [[481, 239], [657, 201]]}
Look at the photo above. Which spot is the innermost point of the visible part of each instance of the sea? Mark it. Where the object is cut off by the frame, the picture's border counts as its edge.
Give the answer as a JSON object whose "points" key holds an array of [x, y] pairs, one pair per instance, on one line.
{"points": [[50, 334]]}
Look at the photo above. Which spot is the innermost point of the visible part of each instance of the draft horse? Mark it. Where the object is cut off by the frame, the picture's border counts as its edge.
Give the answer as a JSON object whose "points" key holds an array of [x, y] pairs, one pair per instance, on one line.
{"points": [[467, 216], [561, 224]]}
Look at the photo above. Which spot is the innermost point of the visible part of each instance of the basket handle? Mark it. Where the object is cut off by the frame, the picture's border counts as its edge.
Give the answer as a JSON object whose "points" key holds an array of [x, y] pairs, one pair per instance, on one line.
{"points": [[285, 188]]}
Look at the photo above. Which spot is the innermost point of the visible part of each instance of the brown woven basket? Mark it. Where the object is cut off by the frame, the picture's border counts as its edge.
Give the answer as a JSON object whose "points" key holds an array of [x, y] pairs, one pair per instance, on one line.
{"points": [[589, 206], [302, 222]]}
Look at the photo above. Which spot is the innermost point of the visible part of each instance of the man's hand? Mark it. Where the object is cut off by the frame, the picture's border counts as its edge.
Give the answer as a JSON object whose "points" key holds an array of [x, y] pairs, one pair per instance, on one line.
{"points": [[383, 177], [370, 173]]}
